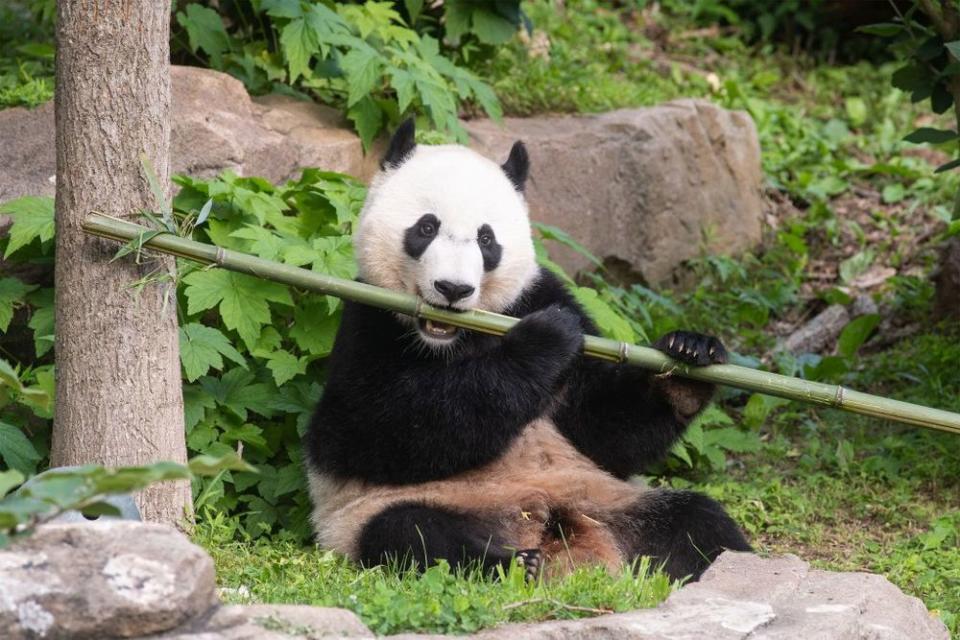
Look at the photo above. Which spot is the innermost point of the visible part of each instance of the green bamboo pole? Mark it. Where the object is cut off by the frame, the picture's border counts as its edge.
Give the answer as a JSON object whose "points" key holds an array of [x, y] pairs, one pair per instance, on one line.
{"points": [[731, 375]]}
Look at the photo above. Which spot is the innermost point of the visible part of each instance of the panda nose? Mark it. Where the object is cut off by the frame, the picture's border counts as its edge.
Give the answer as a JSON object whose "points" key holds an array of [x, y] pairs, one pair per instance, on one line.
{"points": [[452, 291]]}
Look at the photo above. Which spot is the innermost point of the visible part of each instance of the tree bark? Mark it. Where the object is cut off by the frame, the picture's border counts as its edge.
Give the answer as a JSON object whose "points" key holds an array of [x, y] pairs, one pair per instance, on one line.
{"points": [[119, 399]]}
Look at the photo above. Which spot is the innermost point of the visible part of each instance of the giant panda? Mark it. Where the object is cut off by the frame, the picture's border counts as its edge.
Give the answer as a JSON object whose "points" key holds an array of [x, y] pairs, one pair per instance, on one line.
{"points": [[432, 442]]}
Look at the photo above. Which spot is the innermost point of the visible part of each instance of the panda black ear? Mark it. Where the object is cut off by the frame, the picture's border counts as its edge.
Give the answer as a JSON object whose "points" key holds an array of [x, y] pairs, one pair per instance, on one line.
{"points": [[517, 166], [402, 145]]}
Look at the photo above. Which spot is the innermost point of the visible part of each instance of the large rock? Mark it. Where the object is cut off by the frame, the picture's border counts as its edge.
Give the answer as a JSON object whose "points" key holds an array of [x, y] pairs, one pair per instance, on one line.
{"points": [[643, 189], [947, 279], [121, 579], [745, 596], [216, 126], [108, 579]]}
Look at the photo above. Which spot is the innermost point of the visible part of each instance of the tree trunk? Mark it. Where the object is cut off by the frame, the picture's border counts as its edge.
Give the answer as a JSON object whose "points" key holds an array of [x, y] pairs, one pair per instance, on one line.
{"points": [[119, 399]]}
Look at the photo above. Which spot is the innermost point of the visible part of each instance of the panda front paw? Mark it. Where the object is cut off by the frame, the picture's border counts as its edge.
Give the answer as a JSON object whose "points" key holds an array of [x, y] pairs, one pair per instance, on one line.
{"points": [[692, 348], [553, 332]]}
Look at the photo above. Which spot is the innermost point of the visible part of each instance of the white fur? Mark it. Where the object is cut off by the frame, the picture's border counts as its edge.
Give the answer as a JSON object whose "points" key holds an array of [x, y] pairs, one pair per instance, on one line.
{"points": [[464, 191]]}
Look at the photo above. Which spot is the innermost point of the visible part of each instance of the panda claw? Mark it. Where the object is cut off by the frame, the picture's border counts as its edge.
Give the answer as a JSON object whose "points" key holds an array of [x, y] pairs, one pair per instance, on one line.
{"points": [[530, 560]]}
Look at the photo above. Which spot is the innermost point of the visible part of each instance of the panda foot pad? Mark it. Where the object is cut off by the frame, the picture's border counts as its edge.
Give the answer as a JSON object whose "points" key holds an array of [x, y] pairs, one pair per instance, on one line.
{"points": [[531, 561]]}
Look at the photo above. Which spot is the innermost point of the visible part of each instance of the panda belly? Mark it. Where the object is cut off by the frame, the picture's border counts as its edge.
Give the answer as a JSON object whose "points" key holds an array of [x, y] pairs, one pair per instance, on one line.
{"points": [[542, 493]]}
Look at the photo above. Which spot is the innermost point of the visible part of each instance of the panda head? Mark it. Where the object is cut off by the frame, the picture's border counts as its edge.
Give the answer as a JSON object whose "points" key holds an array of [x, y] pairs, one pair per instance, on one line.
{"points": [[446, 224]]}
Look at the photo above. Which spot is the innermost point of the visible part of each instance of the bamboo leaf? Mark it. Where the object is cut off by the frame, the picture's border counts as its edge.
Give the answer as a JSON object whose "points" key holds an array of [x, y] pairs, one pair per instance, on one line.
{"points": [[856, 333], [931, 135]]}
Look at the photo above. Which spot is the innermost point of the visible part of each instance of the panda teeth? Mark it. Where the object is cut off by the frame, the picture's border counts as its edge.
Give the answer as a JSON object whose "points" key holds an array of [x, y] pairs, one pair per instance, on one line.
{"points": [[439, 329]]}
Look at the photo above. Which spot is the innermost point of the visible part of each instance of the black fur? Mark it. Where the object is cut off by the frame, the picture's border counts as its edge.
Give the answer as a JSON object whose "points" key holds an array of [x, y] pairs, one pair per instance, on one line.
{"points": [[517, 166], [682, 530], [424, 534], [394, 412], [401, 145], [490, 249], [418, 236]]}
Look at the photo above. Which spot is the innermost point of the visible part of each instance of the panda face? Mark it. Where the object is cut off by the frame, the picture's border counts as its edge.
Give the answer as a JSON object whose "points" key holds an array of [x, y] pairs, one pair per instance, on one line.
{"points": [[450, 226]]}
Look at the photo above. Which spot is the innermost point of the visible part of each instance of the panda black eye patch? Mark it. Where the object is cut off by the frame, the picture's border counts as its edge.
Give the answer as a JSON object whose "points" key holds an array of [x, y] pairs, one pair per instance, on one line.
{"points": [[418, 237], [490, 249]]}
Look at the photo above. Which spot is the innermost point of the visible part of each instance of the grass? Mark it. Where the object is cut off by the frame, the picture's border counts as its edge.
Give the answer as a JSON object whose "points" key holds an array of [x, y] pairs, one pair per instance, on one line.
{"points": [[26, 53], [391, 600]]}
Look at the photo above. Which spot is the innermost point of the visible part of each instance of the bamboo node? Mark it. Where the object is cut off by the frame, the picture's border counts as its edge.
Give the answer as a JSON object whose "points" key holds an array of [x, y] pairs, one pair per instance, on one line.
{"points": [[221, 257], [838, 398], [622, 352], [419, 308]]}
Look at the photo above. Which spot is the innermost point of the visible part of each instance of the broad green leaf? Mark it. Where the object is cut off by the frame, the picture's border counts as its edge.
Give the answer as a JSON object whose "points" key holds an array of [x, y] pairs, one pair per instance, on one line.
{"points": [[457, 16], [856, 111], [680, 450], [610, 322], [855, 265], [42, 320], [282, 8], [204, 465], [893, 193], [732, 439], [285, 366], [856, 333], [97, 509], [367, 116], [362, 67], [205, 31], [298, 42], [335, 257], [195, 403], [246, 433], [9, 480], [314, 327], [16, 450], [490, 27], [12, 294], [32, 217], [237, 391], [242, 299], [953, 48], [953, 164], [201, 348], [882, 29], [414, 7], [931, 135], [402, 83], [549, 232]]}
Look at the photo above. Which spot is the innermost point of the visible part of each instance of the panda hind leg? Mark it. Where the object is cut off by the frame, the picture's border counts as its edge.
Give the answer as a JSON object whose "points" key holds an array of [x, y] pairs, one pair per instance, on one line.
{"points": [[683, 530], [423, 534]]}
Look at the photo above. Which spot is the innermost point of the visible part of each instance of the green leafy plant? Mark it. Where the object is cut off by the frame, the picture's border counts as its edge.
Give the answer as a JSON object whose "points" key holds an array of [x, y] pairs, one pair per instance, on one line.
{"points": [[84, 488], [362, 58]]}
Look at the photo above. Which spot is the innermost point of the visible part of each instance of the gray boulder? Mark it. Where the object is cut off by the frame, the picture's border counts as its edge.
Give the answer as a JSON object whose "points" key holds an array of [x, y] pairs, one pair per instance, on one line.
{"points": [[119, 579], [745, 596], [641, 188], [108, 579]]}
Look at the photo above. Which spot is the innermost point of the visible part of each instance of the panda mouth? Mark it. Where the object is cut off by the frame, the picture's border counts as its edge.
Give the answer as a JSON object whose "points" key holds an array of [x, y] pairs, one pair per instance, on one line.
{"points": [[437, 330]]}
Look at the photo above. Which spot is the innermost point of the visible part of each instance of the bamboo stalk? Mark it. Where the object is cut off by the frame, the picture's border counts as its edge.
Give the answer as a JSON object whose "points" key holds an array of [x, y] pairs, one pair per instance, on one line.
{"points": [[493, 323]]}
